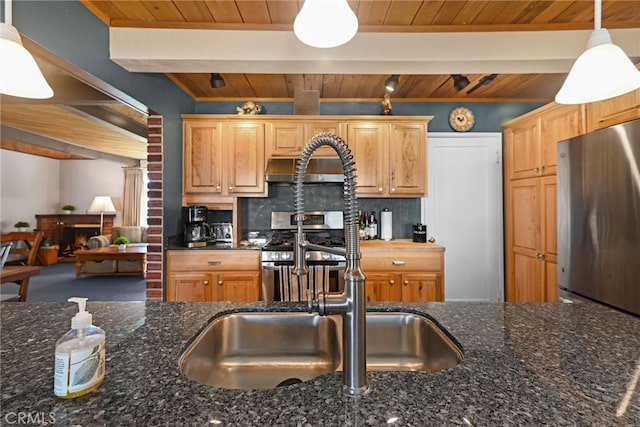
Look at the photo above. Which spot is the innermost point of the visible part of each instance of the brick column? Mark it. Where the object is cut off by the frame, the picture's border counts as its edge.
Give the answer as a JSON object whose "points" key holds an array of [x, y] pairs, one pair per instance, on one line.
{"points": [[154, 213]]}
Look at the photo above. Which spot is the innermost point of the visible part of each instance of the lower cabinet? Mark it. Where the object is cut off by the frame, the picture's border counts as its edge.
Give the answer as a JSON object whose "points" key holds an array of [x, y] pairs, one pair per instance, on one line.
{"points": [[401, 270], [213, 275]]}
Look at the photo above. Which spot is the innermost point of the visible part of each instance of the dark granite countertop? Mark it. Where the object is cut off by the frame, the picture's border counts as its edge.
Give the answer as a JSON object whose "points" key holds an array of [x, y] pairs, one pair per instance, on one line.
{"points": [[525, 364]]}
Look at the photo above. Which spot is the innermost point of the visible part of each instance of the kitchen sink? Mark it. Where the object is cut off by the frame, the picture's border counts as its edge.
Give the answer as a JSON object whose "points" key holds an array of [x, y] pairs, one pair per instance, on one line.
{"points": [[262, 350]]}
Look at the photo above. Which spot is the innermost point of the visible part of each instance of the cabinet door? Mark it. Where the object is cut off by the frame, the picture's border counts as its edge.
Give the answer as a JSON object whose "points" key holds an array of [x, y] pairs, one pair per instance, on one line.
{"points": [[422, 287], [237, 287], [550, 220], [315, 127], [551, 278], [528, 279], [407, 160], [613, 111], [525, 212], [556, 125], [286, 139], [383, 287], [244, 158], [189, 287], [202, 157], [524, 147], [368, 143]]}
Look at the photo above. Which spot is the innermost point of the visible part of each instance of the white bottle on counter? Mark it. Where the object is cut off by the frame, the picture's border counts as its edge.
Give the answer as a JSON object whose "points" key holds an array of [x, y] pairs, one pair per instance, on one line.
{"points": [[80, 356]]}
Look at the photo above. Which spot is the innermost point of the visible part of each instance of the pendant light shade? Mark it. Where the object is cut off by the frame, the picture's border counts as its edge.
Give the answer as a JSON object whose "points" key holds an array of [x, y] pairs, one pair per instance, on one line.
{"points": [[325, 23], [603, 71], [19, 73]]}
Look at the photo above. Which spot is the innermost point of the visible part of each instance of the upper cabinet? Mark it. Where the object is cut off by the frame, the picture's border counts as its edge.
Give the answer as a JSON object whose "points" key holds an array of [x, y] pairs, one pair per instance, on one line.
{"points": [[391, 158], [531, 140], [287, 138], [613, 111], [224, 156], [222, 159]]}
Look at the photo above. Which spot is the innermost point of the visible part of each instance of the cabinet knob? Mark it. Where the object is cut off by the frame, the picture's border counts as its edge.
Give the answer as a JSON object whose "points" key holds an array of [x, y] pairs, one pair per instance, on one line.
{"points": [[214, 262], [219, 282], [206, 283], [542, 169], [396, 262], [406, 283], [231, 189], [380, 189], [540, 256], [218, 187], [392, 282], [393, 189]]}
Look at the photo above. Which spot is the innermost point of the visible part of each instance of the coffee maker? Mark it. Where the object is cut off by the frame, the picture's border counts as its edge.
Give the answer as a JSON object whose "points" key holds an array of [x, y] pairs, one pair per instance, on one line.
{"points": [[196, 231]]}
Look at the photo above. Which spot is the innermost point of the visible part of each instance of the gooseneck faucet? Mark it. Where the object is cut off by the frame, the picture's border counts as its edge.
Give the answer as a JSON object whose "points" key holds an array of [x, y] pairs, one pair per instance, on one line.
{"points": [[351, 302]]}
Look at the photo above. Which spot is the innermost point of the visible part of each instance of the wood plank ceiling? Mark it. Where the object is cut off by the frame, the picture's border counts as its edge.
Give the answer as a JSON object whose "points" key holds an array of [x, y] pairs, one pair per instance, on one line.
{"points": [[373, 16]]}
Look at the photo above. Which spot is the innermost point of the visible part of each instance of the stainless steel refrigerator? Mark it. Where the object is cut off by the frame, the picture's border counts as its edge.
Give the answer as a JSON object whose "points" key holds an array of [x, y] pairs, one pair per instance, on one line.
{"points": [[599, 215]]}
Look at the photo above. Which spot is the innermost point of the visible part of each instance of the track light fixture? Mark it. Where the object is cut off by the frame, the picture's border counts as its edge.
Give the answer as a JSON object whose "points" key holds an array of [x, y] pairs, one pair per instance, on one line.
{"points": [[216, 80], [391, 83], [459, 81]]}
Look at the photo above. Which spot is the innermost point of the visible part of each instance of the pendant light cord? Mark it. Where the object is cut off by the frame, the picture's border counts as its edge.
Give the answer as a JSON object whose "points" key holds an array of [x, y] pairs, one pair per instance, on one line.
{"points": [[7, 12], [597, 14]]}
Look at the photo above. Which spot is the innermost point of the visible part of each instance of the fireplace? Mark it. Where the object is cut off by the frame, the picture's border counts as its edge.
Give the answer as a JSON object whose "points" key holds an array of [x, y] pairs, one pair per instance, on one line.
{"points": [[75, 237]]}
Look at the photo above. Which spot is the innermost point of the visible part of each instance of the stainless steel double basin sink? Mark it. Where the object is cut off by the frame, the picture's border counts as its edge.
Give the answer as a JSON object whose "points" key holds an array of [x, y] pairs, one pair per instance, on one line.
{"points": [[263, 350]]}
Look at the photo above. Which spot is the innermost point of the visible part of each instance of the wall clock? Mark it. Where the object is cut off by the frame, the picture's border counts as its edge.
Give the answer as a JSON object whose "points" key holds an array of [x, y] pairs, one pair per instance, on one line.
{"points": [[461, 119]]}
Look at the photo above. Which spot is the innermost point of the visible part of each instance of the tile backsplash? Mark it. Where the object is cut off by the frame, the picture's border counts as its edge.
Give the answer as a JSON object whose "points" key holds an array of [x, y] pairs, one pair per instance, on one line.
{"points": [[257, 211]]}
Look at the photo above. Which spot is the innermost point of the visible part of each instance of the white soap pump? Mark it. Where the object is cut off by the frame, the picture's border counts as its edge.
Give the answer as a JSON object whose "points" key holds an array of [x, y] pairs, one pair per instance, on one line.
{"points": [[80, 356]]}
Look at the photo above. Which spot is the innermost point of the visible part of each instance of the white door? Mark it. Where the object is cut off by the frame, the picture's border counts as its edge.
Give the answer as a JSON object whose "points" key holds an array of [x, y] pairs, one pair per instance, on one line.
{"points": [[463, 212]]}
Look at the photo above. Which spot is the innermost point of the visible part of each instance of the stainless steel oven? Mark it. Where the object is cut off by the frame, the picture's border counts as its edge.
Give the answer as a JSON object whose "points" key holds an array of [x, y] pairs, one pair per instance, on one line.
{"points": [[321, 227]]}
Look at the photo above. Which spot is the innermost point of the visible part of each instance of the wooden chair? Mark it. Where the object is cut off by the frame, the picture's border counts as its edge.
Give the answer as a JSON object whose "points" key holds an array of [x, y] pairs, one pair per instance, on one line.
{"points": [[25, 245]]}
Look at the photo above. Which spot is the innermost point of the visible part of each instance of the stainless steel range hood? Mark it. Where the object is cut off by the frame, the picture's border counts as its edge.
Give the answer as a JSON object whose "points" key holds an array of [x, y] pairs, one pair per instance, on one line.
{"points": [[318, 170]]}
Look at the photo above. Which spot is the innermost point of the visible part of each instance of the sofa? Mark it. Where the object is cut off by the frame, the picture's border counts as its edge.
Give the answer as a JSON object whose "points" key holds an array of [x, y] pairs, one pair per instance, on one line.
{"points": [[137, 235]]}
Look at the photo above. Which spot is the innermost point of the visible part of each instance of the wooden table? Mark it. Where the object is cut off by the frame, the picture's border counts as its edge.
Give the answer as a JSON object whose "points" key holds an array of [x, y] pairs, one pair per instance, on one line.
{"points": [[131, 253], [19, 274]]}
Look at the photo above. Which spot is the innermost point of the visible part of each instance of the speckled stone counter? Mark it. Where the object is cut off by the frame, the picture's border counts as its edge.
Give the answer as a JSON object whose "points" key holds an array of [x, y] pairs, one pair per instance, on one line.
{"points": [[553, 364]]}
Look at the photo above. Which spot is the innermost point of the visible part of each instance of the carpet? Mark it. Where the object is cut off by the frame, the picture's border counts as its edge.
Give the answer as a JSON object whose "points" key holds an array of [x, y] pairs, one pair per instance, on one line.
{"points": [[58, 282]]}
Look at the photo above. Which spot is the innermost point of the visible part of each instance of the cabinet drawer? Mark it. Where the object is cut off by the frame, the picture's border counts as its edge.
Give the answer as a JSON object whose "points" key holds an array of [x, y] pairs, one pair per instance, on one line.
{"points": [[402, 261], [222, 260]]}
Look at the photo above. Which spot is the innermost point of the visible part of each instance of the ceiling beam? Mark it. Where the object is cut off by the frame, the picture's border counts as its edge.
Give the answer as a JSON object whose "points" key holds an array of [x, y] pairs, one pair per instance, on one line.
{"points": [[53, 144], [273, 52], [111, 119]]}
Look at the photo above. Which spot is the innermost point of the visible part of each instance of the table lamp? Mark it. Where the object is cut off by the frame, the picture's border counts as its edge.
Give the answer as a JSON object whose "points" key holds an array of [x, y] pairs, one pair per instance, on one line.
{"points": [[102, 204]]}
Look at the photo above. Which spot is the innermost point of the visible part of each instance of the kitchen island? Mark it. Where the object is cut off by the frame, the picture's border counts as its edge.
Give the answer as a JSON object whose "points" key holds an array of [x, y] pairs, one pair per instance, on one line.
{"points": [[525, 364]]}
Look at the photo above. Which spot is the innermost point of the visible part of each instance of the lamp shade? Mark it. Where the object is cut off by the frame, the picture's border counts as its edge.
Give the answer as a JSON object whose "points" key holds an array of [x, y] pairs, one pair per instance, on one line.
{"points": [[603, 71], [102, 204], [325, 23], [19, 73]]}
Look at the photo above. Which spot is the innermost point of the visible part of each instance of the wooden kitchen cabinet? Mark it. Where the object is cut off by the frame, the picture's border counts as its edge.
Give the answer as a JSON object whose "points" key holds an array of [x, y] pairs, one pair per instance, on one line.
{"points": [[390, 158], [531, 256], [531, 141], [401, 270], [287, 138], [613, 111], [212, 168], [213, 275]]}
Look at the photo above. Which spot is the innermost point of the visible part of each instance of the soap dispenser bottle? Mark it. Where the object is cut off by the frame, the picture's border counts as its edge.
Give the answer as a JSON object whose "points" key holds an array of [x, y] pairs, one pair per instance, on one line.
{"points": [[80, 356]]}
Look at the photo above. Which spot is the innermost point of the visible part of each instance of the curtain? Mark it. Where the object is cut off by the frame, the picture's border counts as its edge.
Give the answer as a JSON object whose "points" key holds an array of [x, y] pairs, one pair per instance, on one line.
{"points": [[133, 204]]}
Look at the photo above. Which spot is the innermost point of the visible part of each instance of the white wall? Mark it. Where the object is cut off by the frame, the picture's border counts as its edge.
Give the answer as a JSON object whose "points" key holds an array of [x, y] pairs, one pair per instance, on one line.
{"points": [[33, 185], [29, 186], [82, 180]]}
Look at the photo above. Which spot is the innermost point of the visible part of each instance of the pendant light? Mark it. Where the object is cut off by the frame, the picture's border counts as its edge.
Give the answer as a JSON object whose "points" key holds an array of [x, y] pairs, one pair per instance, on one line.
{"points": [[325, 23], [603, 71], [19, 73]]}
